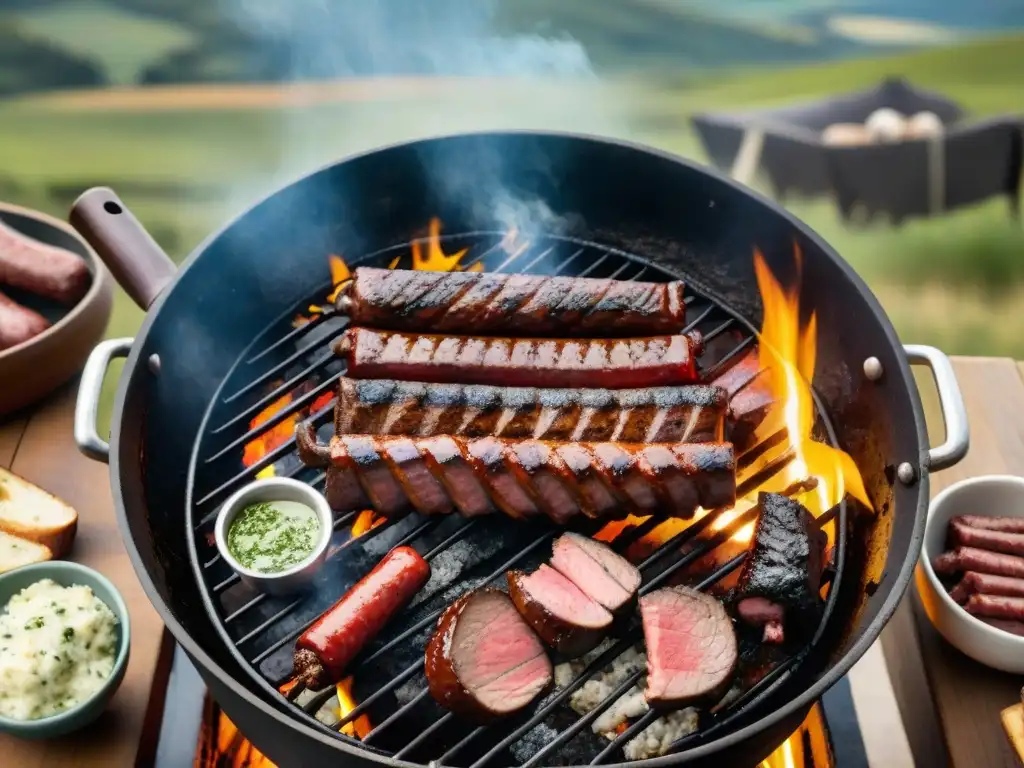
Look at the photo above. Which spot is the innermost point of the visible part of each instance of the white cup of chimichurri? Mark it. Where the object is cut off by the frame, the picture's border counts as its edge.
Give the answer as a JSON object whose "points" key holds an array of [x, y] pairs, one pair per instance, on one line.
{"points": [[274, 533]]}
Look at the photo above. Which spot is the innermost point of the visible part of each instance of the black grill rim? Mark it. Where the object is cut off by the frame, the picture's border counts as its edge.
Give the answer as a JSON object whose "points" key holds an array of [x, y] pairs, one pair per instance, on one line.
{"points": [[772, 681]]}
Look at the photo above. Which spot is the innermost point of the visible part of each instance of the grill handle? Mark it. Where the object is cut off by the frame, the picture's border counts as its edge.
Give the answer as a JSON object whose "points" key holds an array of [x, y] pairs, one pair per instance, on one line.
{"points": [[951, 401], [89, 390], [132, 255]]}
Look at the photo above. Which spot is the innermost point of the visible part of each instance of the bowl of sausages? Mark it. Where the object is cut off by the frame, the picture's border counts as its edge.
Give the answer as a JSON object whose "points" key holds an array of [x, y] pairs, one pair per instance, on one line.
{"points": [[971, 573], [55, 302]]}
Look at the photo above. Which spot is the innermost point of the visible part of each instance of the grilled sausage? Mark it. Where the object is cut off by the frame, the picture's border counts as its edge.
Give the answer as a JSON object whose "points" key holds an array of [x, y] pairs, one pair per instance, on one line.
{"points": [[612, 363], [40, 268], [994, 523], [524, 478], [972, 559], [974, 583], [983, 538], [503, 304], [693, 413], [18, 324], [324, 650]]}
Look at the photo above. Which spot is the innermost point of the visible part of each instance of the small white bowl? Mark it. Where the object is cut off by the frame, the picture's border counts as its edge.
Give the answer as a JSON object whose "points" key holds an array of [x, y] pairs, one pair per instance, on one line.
{"points": [[271, 489], [992, 496]]}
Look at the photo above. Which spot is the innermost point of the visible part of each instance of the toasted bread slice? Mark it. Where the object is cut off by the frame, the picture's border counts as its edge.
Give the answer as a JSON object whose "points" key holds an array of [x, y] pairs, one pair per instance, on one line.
{"points": [[16, 552], [31, 513]]}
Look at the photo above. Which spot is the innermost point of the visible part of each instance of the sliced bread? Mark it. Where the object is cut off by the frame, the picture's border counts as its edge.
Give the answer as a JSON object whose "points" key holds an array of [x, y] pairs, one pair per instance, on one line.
{"points": [[16, 552], [29, 512]]}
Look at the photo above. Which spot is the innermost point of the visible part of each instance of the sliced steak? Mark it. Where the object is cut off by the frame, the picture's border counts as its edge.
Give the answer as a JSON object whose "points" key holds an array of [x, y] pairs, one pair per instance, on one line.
{"points": [[750, 399], [780, 581], [604, 576], [483, 661], [691, 647], [564, 617]]}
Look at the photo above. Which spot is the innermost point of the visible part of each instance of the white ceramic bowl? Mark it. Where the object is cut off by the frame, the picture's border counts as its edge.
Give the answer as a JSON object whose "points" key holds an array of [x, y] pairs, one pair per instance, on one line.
{"points": [[299, 575], [990, 495]]}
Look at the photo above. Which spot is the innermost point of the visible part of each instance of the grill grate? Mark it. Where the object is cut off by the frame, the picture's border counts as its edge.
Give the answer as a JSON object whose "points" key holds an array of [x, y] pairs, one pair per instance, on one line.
{"points": [[292, 368]]}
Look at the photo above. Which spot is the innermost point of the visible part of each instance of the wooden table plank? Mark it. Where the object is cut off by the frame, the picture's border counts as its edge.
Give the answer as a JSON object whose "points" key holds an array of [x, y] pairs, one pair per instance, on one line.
{"points": [[11, 431], [125, 734], [967, 696]]}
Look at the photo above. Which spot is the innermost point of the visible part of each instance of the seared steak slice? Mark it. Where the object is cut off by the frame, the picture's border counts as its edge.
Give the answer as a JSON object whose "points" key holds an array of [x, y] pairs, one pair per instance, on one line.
{"points": [[564, 617], [780, 581], [483, 661], [604, 576], [691, 647]]}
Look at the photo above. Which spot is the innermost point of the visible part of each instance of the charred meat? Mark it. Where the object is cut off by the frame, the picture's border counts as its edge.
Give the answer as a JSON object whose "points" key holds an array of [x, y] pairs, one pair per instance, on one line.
{"points": [[779, 585], [648, 361], [693, 413], [750, 399], [522, 478], [483, 661], [691, 647], [559, 612], [601, 574], [497, 304]]}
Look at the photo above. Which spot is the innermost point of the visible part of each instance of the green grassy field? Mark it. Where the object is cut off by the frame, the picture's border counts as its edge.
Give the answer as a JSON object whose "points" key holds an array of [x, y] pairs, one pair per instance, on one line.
{"points": [[956, 281]]}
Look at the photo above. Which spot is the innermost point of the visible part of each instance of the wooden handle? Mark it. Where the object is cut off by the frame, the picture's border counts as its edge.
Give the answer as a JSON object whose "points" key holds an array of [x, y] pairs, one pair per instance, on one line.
{"points": [[132, 255]]}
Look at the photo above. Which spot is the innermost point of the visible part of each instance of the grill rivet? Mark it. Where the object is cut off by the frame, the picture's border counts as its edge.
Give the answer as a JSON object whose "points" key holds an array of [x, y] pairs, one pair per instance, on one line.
{"points": [[873, 368], [154, 363], [905, 472]]}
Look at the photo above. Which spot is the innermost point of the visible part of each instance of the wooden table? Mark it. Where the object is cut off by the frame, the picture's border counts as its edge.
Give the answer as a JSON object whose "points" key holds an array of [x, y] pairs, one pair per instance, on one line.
{"points": [[39, 446], [940, 690]]}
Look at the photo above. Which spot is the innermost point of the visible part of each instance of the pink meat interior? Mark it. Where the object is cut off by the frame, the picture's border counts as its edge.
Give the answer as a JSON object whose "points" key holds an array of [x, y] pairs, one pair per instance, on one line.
{"points": [[688, 654], [564, 599], [497, 656], [596, 578]]}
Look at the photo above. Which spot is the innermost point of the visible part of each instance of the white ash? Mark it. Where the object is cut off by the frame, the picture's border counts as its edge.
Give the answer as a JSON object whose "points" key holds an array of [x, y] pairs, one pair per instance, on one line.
{"points": [[407, 691], [654, 740], [532, 742]]}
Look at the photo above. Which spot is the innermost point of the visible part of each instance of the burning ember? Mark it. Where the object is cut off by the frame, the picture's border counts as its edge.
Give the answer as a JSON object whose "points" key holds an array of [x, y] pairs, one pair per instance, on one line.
{"points": [[222, 745], [346, 703], [808, 747]]}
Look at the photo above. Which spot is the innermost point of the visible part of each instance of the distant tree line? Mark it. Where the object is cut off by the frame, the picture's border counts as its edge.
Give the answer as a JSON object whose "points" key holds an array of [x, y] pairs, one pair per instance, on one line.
{"points": [[27, 64]]}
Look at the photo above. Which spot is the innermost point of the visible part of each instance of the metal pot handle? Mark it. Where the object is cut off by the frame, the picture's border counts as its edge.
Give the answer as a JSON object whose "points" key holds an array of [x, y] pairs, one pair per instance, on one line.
{"points": [[140, 265], [89, 389], [954, 412]]}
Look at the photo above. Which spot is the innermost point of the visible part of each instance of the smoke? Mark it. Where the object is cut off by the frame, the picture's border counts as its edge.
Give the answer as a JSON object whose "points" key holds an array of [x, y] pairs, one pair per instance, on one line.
{"points": [[460, 42], [347, 38]]}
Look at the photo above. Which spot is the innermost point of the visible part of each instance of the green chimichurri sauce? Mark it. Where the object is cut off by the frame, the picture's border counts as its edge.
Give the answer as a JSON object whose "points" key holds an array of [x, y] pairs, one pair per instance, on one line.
{"points": [[272, 536]]}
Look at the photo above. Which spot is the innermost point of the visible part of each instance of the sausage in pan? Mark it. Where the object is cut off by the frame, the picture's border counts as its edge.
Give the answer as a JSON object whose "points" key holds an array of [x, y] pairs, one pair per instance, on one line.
{"points": [[609, 363], [504, 304], [41, 269], [18, 324]]}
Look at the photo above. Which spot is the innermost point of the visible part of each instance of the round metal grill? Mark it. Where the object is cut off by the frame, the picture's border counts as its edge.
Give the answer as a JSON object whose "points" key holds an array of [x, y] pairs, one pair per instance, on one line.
{"points": [[288, 373]]}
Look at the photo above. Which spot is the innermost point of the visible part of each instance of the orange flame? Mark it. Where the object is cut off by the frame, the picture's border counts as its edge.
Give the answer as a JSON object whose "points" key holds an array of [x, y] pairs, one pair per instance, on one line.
{"points": [[792, 752], [788, 351], [435, 259], [277, 435], [365, 522], [346, 703], [222, 745]]}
